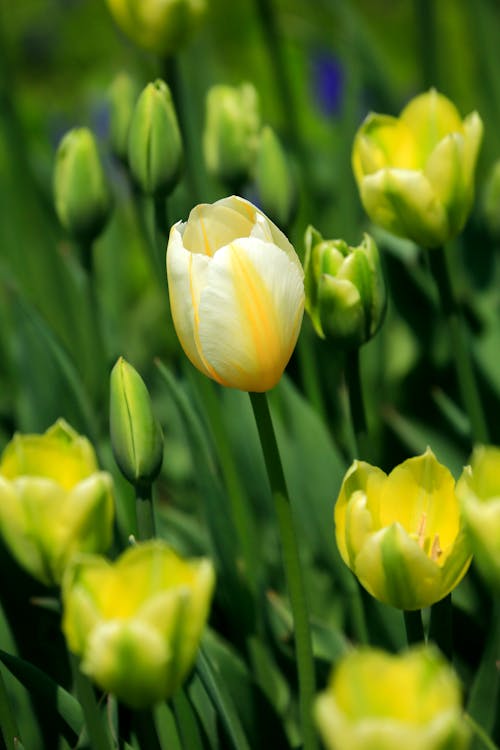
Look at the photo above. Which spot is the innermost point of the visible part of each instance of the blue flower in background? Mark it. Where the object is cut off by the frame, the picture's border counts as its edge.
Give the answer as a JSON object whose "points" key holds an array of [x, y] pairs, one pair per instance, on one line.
{"points": [[328, 83]]}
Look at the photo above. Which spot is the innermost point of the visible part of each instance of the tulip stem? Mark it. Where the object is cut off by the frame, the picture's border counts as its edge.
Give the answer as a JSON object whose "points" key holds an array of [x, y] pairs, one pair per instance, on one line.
{"points": [[414, 626], [477, 729], [356, 403], [96, 728], [441, 270], [291, 560], [441, 629], [146, 528]]}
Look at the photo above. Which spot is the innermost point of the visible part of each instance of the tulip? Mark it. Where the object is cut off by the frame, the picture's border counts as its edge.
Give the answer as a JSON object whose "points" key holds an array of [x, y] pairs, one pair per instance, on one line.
{"points": [[274, 180], [345, 289], [402, 535], [54, 501], [136, 436], [161, 26], [155, 143], [81, 192], [136, 623], [415, 173], [478, 490], [379, 701], [123, 94], [231, 134], [236, 294]]}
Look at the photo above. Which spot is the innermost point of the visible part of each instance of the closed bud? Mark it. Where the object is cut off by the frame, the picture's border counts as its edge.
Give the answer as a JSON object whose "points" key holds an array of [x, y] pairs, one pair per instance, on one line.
{"points": [[136, 436], [345, 289], [81, 191], [162, 27], [274, 179], [123, 94], [379, 701], [402, 534], [415, 172], [231, 134], [136, 623], [155, 143], [54, 501], [478, 490]]}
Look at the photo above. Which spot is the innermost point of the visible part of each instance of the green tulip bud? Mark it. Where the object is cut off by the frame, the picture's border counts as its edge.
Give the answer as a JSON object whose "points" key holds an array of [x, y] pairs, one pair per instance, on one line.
{"points": [[478, 490], [136, 623], [81, 191], [379, 701], [123, 95], [345, 289], [155, 143], [160, 27], [231, 133], [136, 436], [275, 183], [54, 501]]}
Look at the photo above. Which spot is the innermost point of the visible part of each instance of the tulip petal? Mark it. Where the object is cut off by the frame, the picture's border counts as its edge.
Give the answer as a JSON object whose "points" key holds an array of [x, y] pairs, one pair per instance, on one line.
{"points": [[430, 117], [250, 314], [444, 171], [381, 142], [473, 135], [211, 226], [404, 203]]}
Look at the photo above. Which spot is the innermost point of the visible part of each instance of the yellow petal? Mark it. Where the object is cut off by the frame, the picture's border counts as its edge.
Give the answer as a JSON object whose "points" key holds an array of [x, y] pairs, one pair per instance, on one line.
{"points": [[250, 314], [383, 141], [431, 116], [211, 226]]}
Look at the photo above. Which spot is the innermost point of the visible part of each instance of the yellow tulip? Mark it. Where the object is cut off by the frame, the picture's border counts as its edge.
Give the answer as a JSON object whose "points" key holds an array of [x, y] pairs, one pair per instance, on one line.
{"points": [[236, 293], [478, 490], [161, 26], [379, 701], [136, 623], [402, 535], [415, 173], [54, 501]]}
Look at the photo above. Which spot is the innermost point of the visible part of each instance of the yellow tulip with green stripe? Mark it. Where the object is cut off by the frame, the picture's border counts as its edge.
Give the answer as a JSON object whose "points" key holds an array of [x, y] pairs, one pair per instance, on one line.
{"points": [[415, 172], [136, 623], [380, 701], [402, 534], [478, 490], [236, 290], [54, 501]]}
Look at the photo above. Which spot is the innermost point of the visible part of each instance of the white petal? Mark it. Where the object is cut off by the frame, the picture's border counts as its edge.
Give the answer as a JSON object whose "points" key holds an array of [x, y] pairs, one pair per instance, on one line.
{"points": [[265, 230], [186, 273], [250, 314], [211, 226]]}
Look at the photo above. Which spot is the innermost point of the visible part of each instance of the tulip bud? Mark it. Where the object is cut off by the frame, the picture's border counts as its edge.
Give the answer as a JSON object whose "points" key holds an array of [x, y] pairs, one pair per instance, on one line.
{"points": [[54, 501], [345, 289], [81, 192], [136, 623], [236, 294], [415, 173], [155, 144], [136, 436], [123, 94], [231, 134], [274, 180], [379, 701], [478, 490], [402, 535], [161, 27]]}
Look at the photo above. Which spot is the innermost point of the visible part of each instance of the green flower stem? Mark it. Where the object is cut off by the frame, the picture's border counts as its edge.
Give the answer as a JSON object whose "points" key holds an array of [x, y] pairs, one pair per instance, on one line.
{"points": [[8, 724], [242, 516], [293, 572], [94, 723], [357, 612], [356, 404], [414, 627], [441, 629], [186, 721], [479, 732], [146, 528], [441, 269]]}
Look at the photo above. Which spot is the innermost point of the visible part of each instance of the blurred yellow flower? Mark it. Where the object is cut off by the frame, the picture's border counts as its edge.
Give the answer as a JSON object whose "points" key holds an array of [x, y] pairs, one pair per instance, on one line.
{"points": [[54, 501], [402, 534], [415, 173], [236, 293], [161, 26], [379, 701], [136, 623], [478, 490]]}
